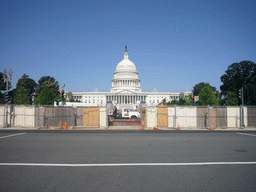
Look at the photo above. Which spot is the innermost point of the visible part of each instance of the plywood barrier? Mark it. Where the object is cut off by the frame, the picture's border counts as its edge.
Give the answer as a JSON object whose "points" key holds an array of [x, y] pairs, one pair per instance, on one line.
{"points": [[162, 117], [91, 117]]}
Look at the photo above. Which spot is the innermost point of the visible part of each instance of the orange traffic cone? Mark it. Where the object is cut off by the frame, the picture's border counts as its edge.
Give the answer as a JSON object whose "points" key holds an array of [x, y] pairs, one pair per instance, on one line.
{"points": [[66, 127], [212, 128], [156, 128], [60, 124], [142, 127], [178, 128]]}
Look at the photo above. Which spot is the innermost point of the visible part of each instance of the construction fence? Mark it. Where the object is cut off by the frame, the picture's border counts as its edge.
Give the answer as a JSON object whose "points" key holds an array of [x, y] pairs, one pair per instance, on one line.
{"points": [[51, 116], [202, 117], [97, 117]]}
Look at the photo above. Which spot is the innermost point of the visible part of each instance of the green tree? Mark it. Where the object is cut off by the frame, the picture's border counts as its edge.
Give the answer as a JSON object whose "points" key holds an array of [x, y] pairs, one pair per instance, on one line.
{"points": [[240, 75], [231, 99], [173, 102], [47, 91], [71, 100], [182, 101], [24, 90], [207, 96], [47, 96], [198, 87], [188, 100]]}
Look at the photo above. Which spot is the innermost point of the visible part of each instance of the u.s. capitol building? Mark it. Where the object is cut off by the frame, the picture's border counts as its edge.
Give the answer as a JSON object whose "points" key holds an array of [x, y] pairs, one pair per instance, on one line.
{"points": [[125, 90]]}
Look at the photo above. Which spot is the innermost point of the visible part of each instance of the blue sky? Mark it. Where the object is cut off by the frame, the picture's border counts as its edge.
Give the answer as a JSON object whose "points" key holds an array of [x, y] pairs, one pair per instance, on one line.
{"points": [[174, 44]]}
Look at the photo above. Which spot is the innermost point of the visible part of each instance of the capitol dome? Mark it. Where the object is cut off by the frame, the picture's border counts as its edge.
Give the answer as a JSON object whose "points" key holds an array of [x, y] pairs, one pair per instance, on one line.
{"points": [[126, 76], [126, 64]]}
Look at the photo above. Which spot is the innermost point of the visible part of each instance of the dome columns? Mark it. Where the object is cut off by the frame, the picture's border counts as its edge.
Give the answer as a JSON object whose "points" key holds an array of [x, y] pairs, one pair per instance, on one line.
{"points": [[126, 83]]}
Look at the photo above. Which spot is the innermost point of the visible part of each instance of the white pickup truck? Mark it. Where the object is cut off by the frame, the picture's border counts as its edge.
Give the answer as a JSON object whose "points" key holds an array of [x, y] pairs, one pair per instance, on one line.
{"points": [[130, 113]]}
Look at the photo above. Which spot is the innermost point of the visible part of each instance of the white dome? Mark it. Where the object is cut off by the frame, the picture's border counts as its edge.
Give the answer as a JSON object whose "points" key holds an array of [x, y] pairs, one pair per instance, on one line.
{"points": [[126, 76], [126, 65]]}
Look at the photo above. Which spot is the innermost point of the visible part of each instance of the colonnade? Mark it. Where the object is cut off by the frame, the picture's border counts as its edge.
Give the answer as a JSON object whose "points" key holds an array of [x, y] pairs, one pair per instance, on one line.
{"points": [[126, 99], [128, 83]]}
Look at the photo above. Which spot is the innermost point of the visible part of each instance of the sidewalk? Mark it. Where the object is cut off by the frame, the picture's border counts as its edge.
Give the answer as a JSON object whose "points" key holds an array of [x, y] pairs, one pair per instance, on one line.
{"points": [[131, 128]]}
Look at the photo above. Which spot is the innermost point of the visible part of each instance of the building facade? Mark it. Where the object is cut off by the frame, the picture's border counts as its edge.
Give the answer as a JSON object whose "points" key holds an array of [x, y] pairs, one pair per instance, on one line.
{"points": [[125, 90]]}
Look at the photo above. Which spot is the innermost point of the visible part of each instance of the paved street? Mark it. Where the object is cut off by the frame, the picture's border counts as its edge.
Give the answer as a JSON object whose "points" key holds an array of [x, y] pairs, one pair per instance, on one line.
{"points": [[113, 160]]}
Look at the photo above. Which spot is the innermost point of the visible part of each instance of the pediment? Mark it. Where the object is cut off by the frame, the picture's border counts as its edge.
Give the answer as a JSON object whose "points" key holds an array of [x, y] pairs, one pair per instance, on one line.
{"points": [[125, 91]]}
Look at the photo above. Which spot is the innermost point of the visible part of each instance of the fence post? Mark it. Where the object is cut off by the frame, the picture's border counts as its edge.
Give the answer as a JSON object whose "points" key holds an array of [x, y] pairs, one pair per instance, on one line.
{"points": [[175, 116], [242, 117], [208, 117]]}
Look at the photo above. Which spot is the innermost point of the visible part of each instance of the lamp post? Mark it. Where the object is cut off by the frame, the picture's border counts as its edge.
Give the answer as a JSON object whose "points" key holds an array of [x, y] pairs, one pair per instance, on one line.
{"points": [[7, 80]]}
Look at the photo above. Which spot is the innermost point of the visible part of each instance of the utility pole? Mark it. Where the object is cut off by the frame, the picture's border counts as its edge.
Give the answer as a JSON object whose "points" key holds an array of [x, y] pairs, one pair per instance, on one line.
{"points": [[7, 80]]}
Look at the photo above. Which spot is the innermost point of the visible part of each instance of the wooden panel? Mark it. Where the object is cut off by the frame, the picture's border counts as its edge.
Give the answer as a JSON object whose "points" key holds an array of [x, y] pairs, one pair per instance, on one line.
{"points": [[213, 117], [251, 116], [79, 116], [91, 116], [162, 117], [202, 117]]}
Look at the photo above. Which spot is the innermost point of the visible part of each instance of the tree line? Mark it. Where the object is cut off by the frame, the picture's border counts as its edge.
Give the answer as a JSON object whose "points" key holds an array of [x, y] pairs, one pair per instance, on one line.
{"points": [[239, 79], [238, 84], [45, 92]]}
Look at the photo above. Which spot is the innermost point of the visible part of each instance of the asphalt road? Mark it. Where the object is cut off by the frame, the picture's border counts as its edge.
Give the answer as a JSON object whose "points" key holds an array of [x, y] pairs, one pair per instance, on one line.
{"points": [[64, 160]]}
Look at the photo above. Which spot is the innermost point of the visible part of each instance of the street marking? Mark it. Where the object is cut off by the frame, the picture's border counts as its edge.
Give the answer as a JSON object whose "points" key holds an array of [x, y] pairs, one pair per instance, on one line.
{"points": [[246, 134], [12, 135], [127, 164]]}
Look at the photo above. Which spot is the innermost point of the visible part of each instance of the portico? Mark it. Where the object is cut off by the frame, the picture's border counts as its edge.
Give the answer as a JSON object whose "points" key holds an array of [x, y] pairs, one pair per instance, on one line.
{"points": [[126, 98]]}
